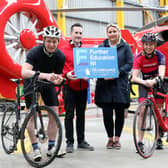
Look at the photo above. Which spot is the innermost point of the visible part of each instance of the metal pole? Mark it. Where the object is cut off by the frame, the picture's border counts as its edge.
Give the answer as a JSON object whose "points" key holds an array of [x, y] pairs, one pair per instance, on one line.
{"points": [[161, 3], [61, 20], [164, 4], [120, 14], [110, 9]]}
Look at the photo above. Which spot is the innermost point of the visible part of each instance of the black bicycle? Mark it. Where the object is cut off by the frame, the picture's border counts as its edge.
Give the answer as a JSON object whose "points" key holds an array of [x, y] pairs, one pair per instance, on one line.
{"points": [[16, 134]]}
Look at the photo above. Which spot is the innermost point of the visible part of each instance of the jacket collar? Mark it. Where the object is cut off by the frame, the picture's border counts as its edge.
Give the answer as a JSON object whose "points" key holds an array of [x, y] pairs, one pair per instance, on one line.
{"points": [[106, 43], [72, 44], [47, 53]]}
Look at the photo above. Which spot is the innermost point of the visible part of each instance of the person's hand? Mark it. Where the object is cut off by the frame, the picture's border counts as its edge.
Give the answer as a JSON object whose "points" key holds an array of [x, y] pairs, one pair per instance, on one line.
{"points": [[108, 78], [70, 75], [59, 80], [52, 77], [86, 79], [149, 82]]}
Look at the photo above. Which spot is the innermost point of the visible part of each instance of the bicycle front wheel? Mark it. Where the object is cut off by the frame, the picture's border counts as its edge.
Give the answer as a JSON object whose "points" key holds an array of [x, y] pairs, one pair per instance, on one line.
{"points": [[49, 129], [145, 129]]}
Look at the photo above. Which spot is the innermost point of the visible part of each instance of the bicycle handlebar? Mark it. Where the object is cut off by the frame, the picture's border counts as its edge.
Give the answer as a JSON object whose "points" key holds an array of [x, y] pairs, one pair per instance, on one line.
{"points": [[42, 83], [135, 83], [36, 83], [159, 86]]}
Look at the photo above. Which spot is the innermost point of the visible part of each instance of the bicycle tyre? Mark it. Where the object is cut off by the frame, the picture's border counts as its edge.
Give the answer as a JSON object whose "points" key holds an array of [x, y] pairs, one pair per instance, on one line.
{"points": [[28, 151], [8, 136], [146, 130]]}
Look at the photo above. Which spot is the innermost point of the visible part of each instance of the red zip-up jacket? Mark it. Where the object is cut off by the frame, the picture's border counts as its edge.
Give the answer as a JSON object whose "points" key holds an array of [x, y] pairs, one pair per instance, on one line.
{"points": [[77, 84]]}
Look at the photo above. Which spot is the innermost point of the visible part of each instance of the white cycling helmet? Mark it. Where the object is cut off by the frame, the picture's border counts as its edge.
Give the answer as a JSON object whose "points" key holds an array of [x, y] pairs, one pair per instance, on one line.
{"points": [[51, 31]]}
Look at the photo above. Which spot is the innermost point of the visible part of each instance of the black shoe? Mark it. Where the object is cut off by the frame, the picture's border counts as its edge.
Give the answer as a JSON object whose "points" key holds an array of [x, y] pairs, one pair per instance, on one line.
{"points": [[61, 155], [141, 146], [159, 144], [161, 132], [85, 145], [69, 148]]}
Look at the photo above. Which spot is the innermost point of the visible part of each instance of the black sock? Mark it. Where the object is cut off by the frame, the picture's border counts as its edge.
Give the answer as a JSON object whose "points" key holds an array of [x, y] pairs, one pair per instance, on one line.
{"points": [[35, 146], [51, 143]]}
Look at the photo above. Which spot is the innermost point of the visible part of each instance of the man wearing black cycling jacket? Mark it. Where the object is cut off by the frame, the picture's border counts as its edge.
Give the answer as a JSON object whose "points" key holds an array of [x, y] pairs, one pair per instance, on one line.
{"points": [[49, 60], [151, 64]]}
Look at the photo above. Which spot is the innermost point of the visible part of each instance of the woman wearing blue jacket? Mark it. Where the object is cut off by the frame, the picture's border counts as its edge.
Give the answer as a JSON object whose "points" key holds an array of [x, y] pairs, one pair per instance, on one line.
{"points": [[113, 94]]}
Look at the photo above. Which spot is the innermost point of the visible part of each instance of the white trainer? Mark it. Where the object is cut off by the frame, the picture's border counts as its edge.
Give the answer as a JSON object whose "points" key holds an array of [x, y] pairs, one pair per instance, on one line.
{"points": [[51, 152], [37, 155]]}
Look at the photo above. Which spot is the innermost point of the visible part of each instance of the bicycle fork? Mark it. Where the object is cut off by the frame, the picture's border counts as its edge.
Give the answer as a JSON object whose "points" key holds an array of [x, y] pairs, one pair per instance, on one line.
{"points": [[35, 120], [39, 129], [147, 111]]}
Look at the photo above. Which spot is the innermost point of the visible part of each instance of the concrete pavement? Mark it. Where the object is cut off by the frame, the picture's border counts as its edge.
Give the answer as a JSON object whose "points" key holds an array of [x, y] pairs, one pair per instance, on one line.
{"points": [[126, 157]]}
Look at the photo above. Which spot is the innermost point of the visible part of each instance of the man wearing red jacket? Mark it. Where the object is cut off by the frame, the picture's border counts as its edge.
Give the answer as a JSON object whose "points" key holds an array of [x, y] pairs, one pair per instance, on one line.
{"points": [[74, 94]]}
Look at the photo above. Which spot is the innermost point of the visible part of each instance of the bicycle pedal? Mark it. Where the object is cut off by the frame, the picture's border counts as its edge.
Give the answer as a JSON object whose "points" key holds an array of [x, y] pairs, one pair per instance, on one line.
{"points": [[43, 140], [12, 148]]}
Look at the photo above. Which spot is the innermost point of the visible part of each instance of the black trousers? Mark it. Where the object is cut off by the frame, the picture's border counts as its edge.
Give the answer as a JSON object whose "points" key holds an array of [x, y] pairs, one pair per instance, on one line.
{"points": [[113, 127], [74, 101], [48, 94]]}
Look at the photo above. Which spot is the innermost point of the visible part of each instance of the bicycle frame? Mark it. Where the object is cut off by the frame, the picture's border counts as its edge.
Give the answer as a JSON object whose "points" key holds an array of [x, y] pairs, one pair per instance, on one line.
{"points": [[19, 96], [34, 104], [163, 121], [36, 84], [18, 106], [34, 107]]}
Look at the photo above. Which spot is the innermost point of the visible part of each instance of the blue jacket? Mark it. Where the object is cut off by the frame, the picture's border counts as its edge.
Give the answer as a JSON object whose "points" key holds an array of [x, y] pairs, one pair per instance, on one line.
{"points": [[117, 90]]}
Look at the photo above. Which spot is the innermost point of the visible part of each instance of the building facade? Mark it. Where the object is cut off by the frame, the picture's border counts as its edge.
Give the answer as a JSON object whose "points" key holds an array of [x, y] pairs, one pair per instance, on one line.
{"points": [[94, 22]]}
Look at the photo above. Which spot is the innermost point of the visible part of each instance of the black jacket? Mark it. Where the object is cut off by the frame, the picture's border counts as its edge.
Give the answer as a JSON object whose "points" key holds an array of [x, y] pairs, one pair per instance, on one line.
{"points": [[117, 90]]}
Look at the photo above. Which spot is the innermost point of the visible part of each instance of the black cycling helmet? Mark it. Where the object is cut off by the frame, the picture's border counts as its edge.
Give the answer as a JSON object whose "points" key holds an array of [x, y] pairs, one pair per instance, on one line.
{"points": [[148, 37]]}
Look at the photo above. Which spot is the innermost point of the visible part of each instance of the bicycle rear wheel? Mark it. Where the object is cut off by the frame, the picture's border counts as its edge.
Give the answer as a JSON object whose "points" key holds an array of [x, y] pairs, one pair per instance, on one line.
{"points": [[8, 128], [145, 129], [44, 114]]}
